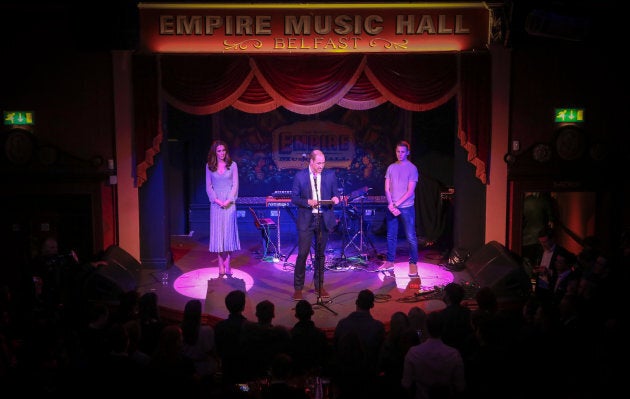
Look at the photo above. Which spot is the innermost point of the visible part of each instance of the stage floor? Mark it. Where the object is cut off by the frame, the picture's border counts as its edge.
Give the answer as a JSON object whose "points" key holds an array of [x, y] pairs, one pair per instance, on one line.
{"points": [[349, 269]]}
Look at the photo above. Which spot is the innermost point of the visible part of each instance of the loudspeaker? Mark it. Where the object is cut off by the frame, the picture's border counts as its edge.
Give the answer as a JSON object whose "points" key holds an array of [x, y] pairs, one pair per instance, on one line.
{"points": [[495, 267], [114, 278], [118, 256]]}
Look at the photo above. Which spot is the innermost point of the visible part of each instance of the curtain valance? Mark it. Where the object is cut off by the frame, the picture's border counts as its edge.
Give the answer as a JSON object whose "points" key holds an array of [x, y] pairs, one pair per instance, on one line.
{"points": [[205, 84]]}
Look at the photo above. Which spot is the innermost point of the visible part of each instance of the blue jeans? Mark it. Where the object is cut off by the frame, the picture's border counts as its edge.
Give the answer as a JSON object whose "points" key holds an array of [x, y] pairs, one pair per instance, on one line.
{"points": [[408, 218]]}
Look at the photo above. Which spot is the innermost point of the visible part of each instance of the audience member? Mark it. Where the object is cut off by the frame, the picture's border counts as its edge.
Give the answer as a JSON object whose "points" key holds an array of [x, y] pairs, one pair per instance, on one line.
{"points": [[280, 385], [127, 308], [490, 368], [357, 342], [53, 276], [198, 344], [591, 248], [539, 213], [134, 333], [486, 301], [537, 342], [117, 367], [506, 321], [227, 335], [150, 321], [565, 279], [545, 265], [456, 320], [434, 369], [262, 341], [93, 337], [310, 349], [418, 322], [398, 340], [171, 372]]}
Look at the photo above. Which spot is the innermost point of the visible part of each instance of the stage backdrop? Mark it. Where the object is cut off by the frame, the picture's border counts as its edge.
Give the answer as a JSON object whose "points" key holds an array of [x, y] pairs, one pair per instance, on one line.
{"points": [[269, 148]]}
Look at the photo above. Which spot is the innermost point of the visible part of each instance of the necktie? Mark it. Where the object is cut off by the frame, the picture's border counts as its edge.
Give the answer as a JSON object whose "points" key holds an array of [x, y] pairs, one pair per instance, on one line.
{"points": [[316, 193]]}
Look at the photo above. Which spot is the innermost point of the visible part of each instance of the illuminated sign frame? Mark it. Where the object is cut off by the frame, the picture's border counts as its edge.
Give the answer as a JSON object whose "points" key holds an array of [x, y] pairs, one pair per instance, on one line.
{"points": [[569, 115], [313, 28], [18, 118]]}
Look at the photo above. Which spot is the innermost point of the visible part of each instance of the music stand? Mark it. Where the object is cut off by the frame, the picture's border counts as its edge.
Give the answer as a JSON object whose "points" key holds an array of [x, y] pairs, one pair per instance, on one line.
{"points": [[265, 225], [320, 259]]}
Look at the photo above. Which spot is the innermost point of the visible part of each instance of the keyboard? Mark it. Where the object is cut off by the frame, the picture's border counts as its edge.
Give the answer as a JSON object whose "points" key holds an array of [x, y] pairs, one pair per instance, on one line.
{"points": [[281, 194], [276, 202]]}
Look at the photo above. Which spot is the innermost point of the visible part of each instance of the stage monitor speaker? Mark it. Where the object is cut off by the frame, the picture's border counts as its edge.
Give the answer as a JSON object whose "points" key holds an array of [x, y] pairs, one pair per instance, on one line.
{"points": [[116, 255], [495, 267], [119, 275], [108, 282]]}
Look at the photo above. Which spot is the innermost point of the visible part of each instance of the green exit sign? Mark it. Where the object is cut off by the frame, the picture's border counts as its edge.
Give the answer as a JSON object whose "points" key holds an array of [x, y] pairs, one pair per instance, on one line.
{"points": [[569, 115], [18, 118]]}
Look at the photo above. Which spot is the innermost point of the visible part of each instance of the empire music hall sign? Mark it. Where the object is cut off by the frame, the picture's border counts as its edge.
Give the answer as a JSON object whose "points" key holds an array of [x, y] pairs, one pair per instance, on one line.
{"points": [[313, 28]]}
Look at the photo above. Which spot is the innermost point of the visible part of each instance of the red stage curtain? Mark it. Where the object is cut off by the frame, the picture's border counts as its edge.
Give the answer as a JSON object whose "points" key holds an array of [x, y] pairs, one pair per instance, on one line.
{"points": [[308, 84], [475, 111], [148, 132]]}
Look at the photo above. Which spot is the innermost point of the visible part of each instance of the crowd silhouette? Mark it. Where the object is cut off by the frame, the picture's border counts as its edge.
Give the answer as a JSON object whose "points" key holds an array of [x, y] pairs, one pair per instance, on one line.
{"points": [[565, 342]]}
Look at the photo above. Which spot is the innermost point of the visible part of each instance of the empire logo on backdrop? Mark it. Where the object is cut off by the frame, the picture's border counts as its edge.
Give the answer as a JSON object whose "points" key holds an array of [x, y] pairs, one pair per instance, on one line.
{"points": [[292, 144]]}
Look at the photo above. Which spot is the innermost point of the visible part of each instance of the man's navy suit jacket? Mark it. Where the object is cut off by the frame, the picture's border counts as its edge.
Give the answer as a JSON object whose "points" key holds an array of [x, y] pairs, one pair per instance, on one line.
{"points": [[302, 192]]}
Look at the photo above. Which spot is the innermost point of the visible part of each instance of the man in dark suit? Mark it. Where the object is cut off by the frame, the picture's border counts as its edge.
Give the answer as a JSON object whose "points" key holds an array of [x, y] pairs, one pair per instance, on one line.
{"points": [[314, 220], [544, 271]]}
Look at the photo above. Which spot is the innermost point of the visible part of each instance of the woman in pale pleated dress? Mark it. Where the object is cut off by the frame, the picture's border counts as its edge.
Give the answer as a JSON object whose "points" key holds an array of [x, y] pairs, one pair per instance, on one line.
{"points": [[222, 190]]}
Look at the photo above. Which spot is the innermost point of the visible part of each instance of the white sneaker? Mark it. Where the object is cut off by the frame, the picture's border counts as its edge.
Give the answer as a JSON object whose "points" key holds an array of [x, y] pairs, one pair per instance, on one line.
{"points": [[385, 266]]}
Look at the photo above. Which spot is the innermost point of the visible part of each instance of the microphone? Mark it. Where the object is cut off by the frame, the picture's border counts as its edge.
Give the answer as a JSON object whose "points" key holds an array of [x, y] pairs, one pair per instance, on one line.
{"points": [[303, 156], [316, 193]]}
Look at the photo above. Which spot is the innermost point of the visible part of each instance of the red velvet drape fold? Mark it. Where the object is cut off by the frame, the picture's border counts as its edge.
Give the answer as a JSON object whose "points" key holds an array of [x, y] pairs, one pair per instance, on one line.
{"points": [[308, 84]]}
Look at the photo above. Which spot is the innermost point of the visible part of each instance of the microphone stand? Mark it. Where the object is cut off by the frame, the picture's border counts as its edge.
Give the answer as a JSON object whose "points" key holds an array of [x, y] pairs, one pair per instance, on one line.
{"points": [[320, 257], [342, 261]]}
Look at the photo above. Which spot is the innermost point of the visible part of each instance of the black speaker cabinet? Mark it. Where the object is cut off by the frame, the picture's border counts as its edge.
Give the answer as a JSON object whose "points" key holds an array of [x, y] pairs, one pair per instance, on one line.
{"points": [[118, 256], [117, 276], [495, 267]]}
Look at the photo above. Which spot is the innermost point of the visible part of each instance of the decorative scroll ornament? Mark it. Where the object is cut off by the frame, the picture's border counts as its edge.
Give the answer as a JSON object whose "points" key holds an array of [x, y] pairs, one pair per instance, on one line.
{"points": [[389, 44], [244, 45]]}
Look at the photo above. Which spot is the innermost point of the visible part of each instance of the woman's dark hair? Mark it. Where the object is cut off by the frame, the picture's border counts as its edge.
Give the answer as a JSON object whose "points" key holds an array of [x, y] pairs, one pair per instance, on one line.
{"points": [[191, 321], [212, 155]]}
